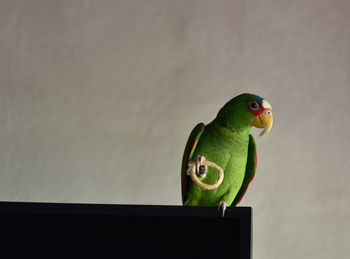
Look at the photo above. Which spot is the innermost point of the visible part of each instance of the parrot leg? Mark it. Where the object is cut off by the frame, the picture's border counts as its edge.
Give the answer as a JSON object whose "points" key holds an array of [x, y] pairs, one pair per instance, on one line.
{"points": [[201, 166], [222, 208], [227, 199]]}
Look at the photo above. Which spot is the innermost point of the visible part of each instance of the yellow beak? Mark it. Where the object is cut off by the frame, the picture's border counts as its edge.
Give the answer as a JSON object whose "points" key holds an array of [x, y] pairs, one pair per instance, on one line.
{"points": [[264, 120]]}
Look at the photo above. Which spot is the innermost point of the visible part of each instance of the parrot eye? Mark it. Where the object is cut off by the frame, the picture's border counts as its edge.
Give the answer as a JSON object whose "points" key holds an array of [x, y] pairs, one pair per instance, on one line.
{"points": [[253, 105]]}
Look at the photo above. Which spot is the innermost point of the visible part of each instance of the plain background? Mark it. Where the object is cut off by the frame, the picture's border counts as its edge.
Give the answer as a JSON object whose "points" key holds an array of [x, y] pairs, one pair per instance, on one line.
{"points": [[98, 98]]}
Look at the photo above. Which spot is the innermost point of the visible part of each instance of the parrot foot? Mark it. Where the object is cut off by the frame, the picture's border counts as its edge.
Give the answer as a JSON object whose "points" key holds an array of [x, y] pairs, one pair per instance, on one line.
{"points": [[201, 166], [222, 208]]}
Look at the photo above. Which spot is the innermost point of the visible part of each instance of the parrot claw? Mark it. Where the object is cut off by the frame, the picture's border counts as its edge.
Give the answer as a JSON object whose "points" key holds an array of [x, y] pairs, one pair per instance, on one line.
{"points": [[222, 208]]}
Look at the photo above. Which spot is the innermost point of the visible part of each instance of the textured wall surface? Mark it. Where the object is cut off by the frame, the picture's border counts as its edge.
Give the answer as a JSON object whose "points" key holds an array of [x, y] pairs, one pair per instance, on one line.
{"points": [[98, 98]]}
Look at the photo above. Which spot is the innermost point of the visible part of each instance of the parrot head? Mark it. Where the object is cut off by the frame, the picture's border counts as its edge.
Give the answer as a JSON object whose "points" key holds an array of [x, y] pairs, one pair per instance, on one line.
{"points": [[245, 111]]}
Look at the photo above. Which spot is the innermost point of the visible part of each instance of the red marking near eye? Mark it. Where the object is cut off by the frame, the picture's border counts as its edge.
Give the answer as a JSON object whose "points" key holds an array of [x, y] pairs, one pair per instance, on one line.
{"points": [[256, 112]]}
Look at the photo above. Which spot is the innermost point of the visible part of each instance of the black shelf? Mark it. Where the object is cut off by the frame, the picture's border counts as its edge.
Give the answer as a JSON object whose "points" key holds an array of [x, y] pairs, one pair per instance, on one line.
{"points": [[66, 230]]}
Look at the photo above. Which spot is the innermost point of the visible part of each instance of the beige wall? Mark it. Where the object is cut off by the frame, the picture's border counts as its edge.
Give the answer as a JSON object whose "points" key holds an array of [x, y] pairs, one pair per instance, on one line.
{"points": [[98, 98]]}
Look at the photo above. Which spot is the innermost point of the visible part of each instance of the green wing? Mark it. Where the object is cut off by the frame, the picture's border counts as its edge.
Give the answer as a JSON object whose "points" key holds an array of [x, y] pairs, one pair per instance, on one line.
{"points": [[249, 172], [187, 156]]}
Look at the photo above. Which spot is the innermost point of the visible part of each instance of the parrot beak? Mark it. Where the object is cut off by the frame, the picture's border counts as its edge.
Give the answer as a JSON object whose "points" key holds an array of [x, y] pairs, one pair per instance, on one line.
{"points": [[264, 120]]}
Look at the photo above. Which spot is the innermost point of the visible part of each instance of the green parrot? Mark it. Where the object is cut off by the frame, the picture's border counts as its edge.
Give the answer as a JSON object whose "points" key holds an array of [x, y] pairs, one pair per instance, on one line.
{"points": [[225, 141]]}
